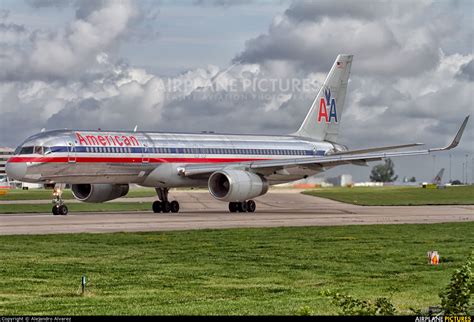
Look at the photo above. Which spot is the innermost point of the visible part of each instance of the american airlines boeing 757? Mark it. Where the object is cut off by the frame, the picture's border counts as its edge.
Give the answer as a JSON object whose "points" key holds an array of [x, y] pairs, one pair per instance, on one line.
{"points": [[100, 165]]}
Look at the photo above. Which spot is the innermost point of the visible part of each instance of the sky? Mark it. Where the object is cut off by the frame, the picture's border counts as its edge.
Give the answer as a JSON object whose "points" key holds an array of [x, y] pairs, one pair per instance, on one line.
{"points": [[234, 67]]}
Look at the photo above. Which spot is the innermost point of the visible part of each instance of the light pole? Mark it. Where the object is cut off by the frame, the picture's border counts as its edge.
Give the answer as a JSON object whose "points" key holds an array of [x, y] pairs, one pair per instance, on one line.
{"points": [[472, 172], [450, 177], [467, 165]]}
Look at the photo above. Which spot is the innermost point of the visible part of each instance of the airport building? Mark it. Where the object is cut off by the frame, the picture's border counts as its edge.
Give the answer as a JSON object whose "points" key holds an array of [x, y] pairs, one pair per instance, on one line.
{"points": [[5, 154]]}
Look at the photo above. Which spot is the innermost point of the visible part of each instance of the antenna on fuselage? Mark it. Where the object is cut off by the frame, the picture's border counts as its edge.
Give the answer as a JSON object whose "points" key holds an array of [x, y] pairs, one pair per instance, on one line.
{"points": [[135, 128], [43, 129]]}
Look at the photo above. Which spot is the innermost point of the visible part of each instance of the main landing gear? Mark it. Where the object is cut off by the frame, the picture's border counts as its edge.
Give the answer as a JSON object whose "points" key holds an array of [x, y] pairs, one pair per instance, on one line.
{"points": [[59, 207], [244, 206], [163, 205]]}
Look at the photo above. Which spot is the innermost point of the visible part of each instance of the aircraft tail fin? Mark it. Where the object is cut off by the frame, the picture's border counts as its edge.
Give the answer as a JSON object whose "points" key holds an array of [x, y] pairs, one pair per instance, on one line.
{"points": [[323, 119], [439, 177]]}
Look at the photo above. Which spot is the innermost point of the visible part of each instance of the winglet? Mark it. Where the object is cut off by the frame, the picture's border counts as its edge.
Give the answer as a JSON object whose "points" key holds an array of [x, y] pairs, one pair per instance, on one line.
{"points": [[457, 138]]}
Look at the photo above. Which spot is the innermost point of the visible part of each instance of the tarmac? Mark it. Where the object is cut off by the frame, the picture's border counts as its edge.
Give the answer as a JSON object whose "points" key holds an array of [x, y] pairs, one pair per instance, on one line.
{"points": [[278, 208]]}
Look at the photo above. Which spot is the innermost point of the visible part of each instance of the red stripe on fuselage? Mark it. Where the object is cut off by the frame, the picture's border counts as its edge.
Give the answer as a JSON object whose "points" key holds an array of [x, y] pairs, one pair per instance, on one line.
{"points": [[127, 160]]}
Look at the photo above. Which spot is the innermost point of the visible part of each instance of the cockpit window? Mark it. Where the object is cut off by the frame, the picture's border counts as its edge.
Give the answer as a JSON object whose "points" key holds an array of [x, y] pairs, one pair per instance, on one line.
{"points": [[38, 150], [26, 150]]}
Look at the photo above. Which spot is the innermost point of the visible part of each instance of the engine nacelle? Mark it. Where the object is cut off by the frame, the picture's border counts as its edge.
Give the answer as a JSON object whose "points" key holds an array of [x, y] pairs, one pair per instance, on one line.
{"points": [[236, 185], [98, 192]]}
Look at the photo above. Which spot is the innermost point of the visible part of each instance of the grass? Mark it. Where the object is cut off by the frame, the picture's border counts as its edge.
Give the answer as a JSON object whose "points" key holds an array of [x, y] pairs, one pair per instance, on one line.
{"points": [[398, 196], [45, 194], [272, 271], [77, 207]]}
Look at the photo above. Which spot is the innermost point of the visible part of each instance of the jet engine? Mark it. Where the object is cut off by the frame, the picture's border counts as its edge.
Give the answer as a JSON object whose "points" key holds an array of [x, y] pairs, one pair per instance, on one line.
{"points": [[98, 192], [236, 185]]}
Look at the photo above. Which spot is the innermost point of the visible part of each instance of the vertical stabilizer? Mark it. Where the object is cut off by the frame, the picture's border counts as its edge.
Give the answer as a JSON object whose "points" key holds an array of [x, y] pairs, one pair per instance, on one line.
{"points": [[322, 121], [439, 177]]}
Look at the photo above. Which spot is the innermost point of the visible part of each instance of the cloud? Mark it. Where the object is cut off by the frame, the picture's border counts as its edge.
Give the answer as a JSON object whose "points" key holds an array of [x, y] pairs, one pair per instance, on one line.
{"points": [[4, 14], [67, 53], [222, 3], [467, 71], [317, 10], [11, 33], [311, 34], [49, 3]]}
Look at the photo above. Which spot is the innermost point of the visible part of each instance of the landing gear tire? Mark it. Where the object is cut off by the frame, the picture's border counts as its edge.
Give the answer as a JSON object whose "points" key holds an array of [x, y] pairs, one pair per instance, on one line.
{"points": [[163, 205], [251, 206], [59, 208], [174, 206], [166, 207], [233, 206], [156, 206], [63, 210], [244, 206]]}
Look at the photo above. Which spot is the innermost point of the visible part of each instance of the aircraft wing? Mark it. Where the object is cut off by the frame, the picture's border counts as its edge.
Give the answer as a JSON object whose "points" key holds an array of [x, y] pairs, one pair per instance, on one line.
{"points": [[317, 161], [382, 148]]}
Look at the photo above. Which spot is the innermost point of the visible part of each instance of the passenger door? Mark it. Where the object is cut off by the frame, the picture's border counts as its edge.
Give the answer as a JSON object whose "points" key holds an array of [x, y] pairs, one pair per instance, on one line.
{"points": [[71, 156], [145, 154]]}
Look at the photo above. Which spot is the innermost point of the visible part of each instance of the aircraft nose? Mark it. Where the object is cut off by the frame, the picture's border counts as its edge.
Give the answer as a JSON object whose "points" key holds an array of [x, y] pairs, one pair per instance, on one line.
{"points": [[16, 170]]}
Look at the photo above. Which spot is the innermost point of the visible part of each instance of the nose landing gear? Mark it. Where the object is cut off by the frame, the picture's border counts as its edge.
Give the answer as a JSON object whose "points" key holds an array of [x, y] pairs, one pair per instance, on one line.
{"points": [[59, 207], [163, 205]]}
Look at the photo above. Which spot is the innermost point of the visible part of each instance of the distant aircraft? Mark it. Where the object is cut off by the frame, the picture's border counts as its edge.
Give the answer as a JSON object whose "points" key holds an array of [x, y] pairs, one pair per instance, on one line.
{"points": [[439, 177], [100, 165], [436, 182]]}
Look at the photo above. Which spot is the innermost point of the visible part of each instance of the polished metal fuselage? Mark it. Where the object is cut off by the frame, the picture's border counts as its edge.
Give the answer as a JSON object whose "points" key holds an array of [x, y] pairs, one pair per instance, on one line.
{"points": [[120, 157]]}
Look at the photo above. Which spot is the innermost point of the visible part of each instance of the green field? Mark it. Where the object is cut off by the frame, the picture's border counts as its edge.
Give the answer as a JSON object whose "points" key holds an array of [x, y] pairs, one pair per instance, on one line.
{"points": [[398, 196], [77, 207], [233, 271], [45, 194]]}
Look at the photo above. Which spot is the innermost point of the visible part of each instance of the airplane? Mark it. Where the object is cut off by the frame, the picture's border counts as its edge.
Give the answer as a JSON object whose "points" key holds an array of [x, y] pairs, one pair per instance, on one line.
{"points": [[439, 177], [436, 181], [100, 165]]}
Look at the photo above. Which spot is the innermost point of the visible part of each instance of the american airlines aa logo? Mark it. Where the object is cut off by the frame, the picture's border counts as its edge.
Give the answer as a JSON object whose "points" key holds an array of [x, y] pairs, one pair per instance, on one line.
{"points": [[323, 107]]}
